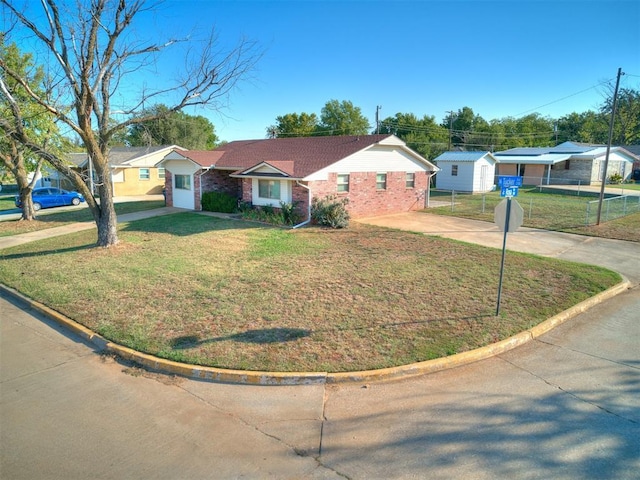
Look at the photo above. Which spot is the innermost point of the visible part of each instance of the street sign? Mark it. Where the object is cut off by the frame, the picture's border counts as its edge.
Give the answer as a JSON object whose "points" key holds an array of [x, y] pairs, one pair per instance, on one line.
{"points": [[516, 215], [509, 181], [508, 215], [509, 191]]}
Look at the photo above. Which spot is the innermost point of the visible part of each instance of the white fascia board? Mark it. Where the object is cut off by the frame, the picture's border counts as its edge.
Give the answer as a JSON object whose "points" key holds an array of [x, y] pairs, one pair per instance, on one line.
{"points": [[142, 159]]}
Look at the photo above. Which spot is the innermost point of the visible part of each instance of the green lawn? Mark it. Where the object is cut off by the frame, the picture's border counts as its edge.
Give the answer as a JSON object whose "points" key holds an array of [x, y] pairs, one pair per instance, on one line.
{"points": [[549, 211], [231, 294], [53, 217], [7, 202]]}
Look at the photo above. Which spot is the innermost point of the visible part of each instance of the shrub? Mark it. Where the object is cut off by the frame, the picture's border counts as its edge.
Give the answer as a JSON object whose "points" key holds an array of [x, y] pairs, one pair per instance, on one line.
{"points": [[288, 212], [284, 215], [219, 202], [615, 178], [330, 211]]}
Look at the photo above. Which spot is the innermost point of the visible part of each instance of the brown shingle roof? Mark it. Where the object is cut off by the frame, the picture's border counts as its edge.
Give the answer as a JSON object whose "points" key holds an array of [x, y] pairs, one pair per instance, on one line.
{"points": [[204, 158], [298, 157]]}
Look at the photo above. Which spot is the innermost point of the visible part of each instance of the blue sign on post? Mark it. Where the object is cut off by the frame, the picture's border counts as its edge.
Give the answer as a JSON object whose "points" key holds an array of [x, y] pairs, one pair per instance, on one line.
{"points": [[509, 185], [509, 192], [509, 181]]}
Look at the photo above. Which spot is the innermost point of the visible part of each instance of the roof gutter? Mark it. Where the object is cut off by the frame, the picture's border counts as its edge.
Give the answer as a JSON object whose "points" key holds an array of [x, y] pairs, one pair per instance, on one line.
{"points": [[309, 212]]}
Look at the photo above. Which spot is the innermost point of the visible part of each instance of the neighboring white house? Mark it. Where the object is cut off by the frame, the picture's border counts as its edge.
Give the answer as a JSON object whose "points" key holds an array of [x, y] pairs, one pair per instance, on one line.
{"points": [[567, 163], [466, 171]]}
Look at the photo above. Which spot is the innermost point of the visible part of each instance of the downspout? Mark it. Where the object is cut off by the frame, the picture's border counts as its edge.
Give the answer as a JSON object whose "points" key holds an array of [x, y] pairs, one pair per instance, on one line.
{"points": [[309, 212], [204, 170], [428, 194]]}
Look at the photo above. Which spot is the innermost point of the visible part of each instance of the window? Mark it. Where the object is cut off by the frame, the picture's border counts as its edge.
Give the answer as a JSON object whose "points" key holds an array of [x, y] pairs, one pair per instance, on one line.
{"points": [[183, 182], [343, 183], [454, 170], [381, 181], [410, 180], [160, 172], [143, 174], [567, 165], [269, 189]]}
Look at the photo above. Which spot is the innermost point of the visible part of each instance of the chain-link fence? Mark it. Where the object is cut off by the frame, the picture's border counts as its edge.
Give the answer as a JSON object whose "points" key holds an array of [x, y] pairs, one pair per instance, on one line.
{"points": [[612, 208], [557, 210]]}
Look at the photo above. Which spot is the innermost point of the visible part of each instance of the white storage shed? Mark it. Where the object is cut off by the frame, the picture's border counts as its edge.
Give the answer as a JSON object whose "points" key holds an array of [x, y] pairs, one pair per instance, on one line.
{"points": [[466, 171]]}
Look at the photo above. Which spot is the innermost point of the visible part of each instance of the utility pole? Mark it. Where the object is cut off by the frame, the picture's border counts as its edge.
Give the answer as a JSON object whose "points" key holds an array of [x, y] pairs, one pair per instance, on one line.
{"points": [[450, 112], [606, 158], [378, 119]]}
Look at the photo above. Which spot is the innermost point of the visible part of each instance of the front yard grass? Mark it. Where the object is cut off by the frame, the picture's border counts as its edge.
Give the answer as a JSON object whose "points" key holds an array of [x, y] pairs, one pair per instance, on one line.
{"points": [[49, 218], [225, 293]]}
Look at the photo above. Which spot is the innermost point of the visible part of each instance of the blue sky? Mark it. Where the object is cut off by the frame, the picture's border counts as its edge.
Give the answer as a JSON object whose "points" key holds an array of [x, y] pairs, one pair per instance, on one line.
{"points": [[501, 58]]}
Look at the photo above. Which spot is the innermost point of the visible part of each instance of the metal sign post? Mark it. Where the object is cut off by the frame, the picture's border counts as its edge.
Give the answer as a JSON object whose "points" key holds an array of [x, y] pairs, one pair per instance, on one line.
{"points": [[508, 216]]}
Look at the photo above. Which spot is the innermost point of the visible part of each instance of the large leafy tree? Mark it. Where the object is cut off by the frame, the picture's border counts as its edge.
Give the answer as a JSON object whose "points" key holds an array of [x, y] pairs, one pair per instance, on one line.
{"points": [[93, 50], [423, 135], [36, 120], [342, 118], [193, 132], [586, 127], [626, 126], [294, 125]]}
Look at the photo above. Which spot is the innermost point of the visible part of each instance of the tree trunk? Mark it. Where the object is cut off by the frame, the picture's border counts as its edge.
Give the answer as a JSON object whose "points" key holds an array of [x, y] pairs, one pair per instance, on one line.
{"points": [[24, 189], [107, 221], [28, 212]]}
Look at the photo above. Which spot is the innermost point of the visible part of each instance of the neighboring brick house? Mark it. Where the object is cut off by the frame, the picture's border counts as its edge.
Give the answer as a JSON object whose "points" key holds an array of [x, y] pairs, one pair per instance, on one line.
{"points": [[568, 163], [379, 174], [133, 169]]}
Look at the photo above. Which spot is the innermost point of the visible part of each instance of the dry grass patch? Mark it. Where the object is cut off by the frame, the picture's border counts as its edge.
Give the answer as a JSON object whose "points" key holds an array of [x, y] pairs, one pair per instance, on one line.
{"points": [[230, 294]]}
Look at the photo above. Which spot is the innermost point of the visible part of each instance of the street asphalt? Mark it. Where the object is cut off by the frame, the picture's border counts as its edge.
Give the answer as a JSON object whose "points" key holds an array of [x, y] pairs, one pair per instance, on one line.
{"points": [[564, 406]]}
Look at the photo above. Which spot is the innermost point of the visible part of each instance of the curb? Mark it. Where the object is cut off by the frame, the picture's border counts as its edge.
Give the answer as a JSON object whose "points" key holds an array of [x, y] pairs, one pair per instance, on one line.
{"points": [[222, 375]]}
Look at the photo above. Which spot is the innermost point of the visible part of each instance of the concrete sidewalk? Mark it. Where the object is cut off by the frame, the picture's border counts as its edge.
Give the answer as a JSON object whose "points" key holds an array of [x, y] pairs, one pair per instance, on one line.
{"points": [[564, 406]]}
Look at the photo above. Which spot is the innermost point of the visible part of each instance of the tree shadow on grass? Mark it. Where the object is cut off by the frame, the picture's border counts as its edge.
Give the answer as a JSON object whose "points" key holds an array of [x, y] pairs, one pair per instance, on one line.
{"points": [[42, 253], [184, 224], [263, 335]]}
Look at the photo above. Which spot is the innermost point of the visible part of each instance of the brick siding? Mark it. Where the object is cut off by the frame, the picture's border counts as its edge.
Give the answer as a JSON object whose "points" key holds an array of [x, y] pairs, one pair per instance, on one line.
{"points": [[365, 200], [168, 188]]}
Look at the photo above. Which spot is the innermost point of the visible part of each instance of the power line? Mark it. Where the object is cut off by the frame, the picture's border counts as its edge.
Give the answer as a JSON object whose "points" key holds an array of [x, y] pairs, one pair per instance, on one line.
{"points": [[564, 98]]}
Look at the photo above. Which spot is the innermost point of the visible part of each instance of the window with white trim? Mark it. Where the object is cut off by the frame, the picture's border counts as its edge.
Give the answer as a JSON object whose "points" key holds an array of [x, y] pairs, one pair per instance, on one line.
{"points": [[343, 182], [410, 180], [143, 174], [269, 189], [161, 172], [381, 181], [182, 182]]}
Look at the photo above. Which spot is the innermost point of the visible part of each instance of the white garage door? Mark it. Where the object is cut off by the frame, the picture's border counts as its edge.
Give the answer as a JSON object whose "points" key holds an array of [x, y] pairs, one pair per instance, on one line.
{"points": [[183, 192]]}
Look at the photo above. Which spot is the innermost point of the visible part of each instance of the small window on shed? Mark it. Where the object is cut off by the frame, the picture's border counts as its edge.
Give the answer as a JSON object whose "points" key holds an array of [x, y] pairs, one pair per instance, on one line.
{"points": [[410, 180], [343, 183], [454, 170], [567, 165]]}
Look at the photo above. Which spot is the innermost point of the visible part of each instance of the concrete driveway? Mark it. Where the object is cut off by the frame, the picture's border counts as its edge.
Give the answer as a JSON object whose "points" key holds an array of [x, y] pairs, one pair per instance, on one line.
{"points": [[564, 406]]}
